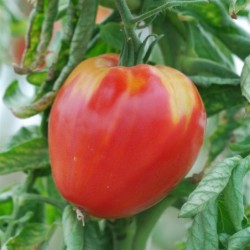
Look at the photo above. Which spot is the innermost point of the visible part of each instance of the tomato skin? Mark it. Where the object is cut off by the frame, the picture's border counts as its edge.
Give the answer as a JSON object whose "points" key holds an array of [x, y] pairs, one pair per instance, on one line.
{"points": [[120, 138]]}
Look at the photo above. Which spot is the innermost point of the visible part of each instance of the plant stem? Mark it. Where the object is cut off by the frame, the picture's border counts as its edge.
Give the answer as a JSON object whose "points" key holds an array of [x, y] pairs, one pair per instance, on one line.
{"points": [[132, 43], [42, 199], [146, 221]]}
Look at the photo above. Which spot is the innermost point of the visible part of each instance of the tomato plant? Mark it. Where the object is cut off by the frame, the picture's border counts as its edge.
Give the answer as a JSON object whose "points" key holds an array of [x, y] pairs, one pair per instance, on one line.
{"points": [[126, 99], [132, 135]]}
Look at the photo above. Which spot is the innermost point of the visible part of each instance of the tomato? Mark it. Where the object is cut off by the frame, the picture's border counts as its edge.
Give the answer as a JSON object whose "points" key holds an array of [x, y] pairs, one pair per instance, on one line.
{"points": [[102, 14], [17, 48], [120, 138]]}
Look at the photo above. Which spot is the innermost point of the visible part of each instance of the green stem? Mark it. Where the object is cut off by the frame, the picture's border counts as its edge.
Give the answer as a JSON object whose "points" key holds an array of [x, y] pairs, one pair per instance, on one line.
{"points": [[132, 43], [146, 221], [42, 199]]}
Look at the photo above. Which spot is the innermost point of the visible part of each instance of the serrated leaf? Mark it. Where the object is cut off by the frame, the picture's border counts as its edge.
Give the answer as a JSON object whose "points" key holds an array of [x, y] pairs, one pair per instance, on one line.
{"points": [[220, 97], [245, 79], [37, 78], [111, 34], [209, 187], [214, 17], [32, 154], [73, 230], [22, 135], [203, 233], [239, 240], [32, 236], [242, 146], [233, 194], [22, 106]]}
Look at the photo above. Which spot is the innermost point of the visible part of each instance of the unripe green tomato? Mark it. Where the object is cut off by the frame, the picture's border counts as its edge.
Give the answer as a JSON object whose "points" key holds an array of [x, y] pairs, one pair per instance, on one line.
{"points": [[132, 4], [121, 138]]}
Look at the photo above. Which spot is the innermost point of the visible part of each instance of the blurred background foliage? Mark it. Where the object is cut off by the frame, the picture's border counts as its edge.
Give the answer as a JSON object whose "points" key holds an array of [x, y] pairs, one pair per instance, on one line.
{"points": [[209, 43]]}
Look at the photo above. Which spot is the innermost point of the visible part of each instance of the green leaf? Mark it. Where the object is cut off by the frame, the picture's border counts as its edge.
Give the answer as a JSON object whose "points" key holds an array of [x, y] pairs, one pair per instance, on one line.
{"points": [[37, 78], [233, 194], [214, 17], [245, 79], [205, 67], [209, 187], [241, 147], [184, 188], [239, 240], [203, 233], [205, 45], [92, 235], [32, 154], [220, 97], [207, 81], [24, 134], [236, 6], [220, 138], [73, 230], [32, 236], [111, 34], [168, 4], [22, 106], [34, 32], [170, 46], [224, 224]]}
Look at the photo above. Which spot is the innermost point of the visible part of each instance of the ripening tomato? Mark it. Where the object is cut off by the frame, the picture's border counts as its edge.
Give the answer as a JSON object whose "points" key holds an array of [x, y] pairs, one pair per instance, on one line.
{"points": [[17, 48], [102, 14], [120, 138]]}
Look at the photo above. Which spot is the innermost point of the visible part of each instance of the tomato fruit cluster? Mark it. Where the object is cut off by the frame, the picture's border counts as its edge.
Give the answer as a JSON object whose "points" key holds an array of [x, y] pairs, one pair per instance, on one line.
{"points": [[121, 138]]}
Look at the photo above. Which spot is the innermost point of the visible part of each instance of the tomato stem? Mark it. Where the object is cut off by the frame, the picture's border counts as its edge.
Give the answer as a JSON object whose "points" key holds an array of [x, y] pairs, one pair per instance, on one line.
{"points": [[146, 221], [131, 43]]}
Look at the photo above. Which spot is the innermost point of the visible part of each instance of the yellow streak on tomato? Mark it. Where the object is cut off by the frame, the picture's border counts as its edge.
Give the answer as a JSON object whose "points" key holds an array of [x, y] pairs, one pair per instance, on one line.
{"points": [[181, 92], [94, 71], [134, 82]]}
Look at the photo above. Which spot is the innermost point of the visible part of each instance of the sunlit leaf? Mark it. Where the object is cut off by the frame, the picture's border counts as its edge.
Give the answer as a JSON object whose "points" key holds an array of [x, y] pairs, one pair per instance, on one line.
{"points": [[22, 135], [245, 79], [22, 106], [32, 154], [203, 233], [234, 196], [32, 236], [239, 240], [209, 187]]}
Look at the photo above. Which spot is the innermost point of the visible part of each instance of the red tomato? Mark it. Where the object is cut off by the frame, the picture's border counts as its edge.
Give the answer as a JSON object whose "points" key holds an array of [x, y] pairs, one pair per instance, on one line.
{"points": [[121, 138], [102, 14], [17, 48]]}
